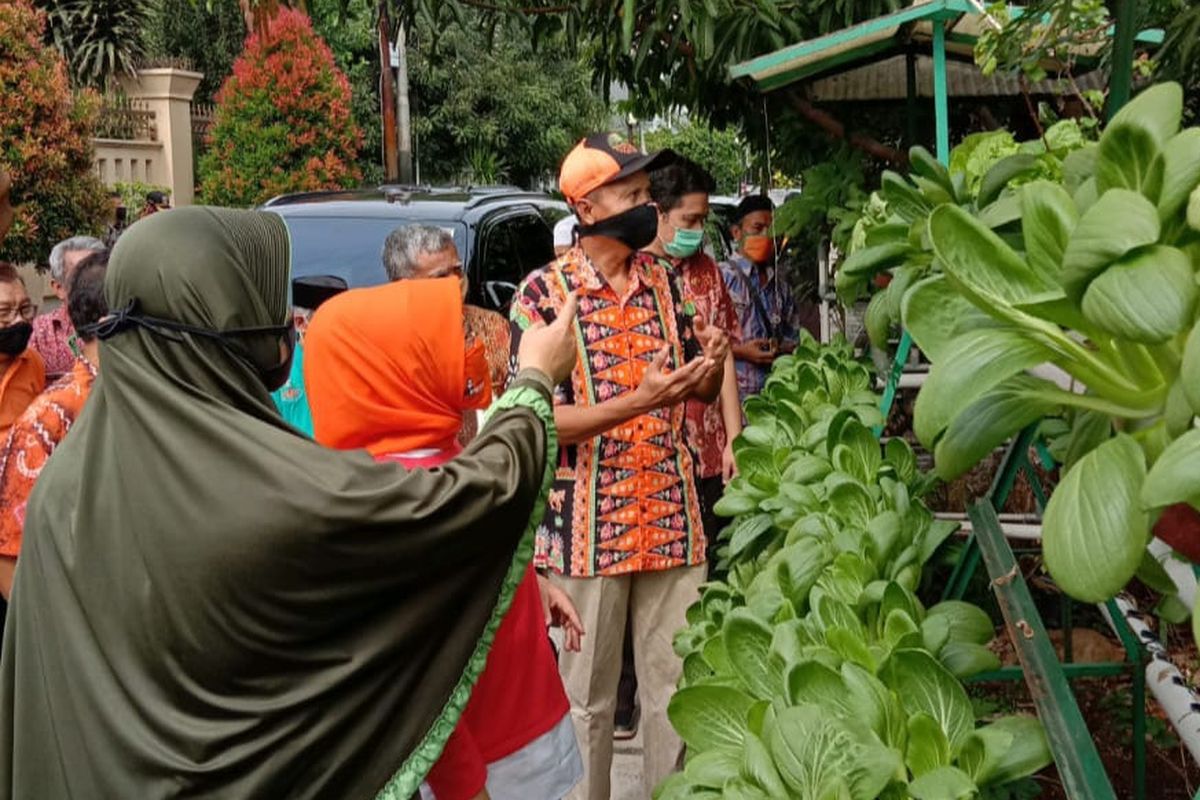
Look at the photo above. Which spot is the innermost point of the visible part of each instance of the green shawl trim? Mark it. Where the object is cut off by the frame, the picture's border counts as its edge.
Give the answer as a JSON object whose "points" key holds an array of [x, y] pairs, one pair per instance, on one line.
{"points": [[405, 783]]}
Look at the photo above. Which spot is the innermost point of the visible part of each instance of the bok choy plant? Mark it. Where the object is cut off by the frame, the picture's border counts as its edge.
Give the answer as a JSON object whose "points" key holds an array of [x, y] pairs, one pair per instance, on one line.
{"points": [[1101, 285], [813, 670]]}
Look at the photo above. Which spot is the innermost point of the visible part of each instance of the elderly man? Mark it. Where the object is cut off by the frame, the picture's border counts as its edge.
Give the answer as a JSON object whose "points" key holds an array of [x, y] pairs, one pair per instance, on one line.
{"points": [[46, 421], [622, 531], [425, 251], [22, 373], [53, 335]]}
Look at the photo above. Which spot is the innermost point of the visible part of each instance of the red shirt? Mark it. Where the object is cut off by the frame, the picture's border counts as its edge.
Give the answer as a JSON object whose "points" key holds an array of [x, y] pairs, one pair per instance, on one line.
{"points": [[52, 334], [705, 295], [518, 698]]}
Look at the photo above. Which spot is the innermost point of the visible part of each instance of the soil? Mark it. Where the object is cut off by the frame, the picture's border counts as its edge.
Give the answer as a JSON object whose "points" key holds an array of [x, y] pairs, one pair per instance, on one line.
{"points": [[1105, 703], [1171, 774]]}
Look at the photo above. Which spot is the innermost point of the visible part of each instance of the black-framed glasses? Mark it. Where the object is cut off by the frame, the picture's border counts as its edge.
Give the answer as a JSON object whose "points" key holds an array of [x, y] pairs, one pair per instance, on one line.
{"points": [[24, 312]]}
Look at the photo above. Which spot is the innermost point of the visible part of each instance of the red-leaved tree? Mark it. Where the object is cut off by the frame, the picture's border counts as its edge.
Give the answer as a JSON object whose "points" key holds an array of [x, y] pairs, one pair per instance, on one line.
{"points": [[283, 121], [45, 141]]}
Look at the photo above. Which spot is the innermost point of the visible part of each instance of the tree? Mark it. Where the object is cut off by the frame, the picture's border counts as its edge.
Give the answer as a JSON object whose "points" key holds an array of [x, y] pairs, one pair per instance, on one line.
{"points": [[45, 140], [101, 39], [677, 53], [282, 120], [488, 108], [348, 26], [206, 34], [722, 153]]}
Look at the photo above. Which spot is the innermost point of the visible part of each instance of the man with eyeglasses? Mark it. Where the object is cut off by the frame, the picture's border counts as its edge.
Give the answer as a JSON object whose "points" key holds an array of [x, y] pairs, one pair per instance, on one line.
{"points": [[22, 373]]}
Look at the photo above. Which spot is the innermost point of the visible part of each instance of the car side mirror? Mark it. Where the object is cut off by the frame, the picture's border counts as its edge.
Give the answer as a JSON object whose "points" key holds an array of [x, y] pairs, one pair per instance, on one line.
{"points": [[499, 294]]}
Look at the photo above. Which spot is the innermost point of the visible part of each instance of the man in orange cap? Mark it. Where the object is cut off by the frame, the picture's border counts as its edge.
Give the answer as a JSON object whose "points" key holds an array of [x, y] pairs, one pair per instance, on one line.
{"points": [[622, 533]]}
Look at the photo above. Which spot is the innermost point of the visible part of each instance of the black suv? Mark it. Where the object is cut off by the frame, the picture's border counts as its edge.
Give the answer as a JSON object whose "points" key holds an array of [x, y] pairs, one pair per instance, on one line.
{"points": [[502, 233]]}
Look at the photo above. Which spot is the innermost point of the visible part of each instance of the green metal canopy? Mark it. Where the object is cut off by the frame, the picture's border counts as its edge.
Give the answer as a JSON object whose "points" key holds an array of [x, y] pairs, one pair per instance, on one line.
{"points": [[941, 28]]}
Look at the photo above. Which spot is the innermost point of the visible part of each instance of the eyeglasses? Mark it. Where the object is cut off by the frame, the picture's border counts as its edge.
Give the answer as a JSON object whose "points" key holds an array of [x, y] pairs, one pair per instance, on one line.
{"points": [[10, 314]]}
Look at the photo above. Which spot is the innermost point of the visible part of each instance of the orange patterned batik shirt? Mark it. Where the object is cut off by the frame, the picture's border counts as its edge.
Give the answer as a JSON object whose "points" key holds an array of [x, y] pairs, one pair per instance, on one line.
{"points": [[624, 501], [31, 442]]}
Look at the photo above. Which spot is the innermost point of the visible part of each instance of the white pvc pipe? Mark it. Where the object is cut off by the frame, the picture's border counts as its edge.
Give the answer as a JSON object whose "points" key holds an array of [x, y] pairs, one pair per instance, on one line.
{"points": [[1163, 679], [1180, 571]]}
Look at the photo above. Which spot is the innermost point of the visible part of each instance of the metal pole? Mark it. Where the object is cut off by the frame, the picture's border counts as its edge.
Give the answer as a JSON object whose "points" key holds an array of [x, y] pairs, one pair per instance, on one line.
{"points": [[387, 99], [910, 105], [941, 106], [403, 115], [1121, 79]]}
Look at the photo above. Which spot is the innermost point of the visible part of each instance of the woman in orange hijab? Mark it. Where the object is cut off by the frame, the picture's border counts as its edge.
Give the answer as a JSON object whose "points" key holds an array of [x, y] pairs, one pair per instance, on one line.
{"points": [[387, 370]]}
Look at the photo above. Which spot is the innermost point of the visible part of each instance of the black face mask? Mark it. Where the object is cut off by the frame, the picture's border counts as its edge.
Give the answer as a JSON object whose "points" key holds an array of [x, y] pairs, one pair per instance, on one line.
{"points": [[273, 376], [635, 228], [15, 338]]}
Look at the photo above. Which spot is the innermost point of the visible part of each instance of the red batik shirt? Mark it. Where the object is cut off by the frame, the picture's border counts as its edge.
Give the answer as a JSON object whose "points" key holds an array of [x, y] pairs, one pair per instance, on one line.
{"points": [[705, 296], [624, 501]]}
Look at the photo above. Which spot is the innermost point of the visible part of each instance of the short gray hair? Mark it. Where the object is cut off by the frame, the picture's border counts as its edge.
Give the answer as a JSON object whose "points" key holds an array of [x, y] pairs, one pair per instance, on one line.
{"points": [[406, 244], [58, 267]]}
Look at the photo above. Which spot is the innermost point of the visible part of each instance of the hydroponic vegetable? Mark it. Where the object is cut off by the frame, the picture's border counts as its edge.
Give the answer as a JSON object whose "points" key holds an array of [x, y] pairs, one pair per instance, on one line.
{"points": [[813, 670], [1097, 280]]}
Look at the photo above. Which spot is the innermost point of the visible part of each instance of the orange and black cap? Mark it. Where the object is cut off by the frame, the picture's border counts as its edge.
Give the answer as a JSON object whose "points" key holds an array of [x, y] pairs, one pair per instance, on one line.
{"points": [[601, 159]]}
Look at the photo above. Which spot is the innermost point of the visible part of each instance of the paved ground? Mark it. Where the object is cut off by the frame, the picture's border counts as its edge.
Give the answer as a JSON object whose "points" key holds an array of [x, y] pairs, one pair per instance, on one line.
{"points": [[627, 769]]}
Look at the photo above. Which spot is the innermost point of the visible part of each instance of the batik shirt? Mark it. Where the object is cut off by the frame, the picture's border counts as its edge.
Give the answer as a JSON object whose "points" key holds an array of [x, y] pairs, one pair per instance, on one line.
{"points": [[624, 501], [704, 295], [31, 442], [53, 335], [774, 314]]}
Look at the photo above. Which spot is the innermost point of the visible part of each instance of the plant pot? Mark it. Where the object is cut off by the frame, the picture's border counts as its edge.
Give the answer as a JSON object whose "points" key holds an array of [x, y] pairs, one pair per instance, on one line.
{"points": [[1179, 526]]}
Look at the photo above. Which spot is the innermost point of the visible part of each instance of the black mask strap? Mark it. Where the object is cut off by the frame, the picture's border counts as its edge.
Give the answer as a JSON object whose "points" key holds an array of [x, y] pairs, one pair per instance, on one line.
{"points": [[127, 318]]}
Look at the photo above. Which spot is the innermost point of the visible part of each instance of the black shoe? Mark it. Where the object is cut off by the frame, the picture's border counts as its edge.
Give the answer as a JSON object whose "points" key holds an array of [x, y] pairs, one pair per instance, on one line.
{"points": [[625, 726]]}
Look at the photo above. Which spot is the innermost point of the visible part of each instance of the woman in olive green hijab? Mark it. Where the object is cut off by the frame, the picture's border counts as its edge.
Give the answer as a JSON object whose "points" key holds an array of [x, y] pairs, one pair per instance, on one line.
{"points": [[210, 605]]}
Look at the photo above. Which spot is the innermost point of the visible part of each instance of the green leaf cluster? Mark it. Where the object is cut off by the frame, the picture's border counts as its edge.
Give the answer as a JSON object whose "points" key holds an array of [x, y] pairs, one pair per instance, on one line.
{"points": [[1094, 280], [813, 670], [985, 173]]}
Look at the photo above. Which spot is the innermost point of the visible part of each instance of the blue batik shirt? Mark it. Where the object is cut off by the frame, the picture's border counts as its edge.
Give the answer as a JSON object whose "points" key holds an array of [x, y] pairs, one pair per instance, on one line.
{"points": [[775, 316]]}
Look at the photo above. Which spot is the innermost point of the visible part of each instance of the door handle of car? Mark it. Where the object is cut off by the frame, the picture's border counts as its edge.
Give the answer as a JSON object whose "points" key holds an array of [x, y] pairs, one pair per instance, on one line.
{"points": [[499, 293]]}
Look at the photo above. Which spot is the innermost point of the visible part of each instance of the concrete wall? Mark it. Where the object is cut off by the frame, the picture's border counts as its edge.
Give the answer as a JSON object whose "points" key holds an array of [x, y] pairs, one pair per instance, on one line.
{"points": [[123, 161], [167, 160]]}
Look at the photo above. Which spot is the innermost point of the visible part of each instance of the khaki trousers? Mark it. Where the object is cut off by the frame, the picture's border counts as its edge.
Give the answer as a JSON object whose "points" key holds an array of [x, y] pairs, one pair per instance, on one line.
{"points": [[657, 603]]}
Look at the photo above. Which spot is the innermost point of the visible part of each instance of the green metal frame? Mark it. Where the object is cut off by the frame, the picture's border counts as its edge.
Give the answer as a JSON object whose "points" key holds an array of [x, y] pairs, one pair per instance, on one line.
{"points": [[1048, 679]]}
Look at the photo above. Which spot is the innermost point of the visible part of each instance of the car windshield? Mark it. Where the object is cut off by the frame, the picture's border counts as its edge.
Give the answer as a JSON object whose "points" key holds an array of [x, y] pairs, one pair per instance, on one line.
{"points": [[350, 247]]}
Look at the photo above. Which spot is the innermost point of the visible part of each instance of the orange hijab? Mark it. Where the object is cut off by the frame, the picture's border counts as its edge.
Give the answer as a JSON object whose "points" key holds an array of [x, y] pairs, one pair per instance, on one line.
{"points": [[387, 368]]}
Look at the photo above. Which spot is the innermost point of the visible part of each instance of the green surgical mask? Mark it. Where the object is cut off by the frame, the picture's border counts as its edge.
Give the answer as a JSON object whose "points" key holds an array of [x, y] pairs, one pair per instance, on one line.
{"points": [[684, 243]]}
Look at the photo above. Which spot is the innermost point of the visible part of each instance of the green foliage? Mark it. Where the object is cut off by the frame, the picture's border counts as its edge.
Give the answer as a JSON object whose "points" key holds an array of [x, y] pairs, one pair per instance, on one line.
{"points": [[1095, 276], [984, 173], [831, 201], [348, 26], [813, 670], [101, 39], [1179, 58], [1048, 31], [133, 197], [485, 105], [721, 152], [206, 35], [45, 141], [282, 121]]}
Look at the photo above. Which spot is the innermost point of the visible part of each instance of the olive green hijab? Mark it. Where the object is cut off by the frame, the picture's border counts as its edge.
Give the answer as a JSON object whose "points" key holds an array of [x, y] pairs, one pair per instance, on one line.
{"points": [[207, 604]]}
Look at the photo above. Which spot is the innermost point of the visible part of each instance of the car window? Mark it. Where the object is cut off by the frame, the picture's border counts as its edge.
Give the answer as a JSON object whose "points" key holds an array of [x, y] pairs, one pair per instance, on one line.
{"points": [[514, 246], [350, 247]]}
